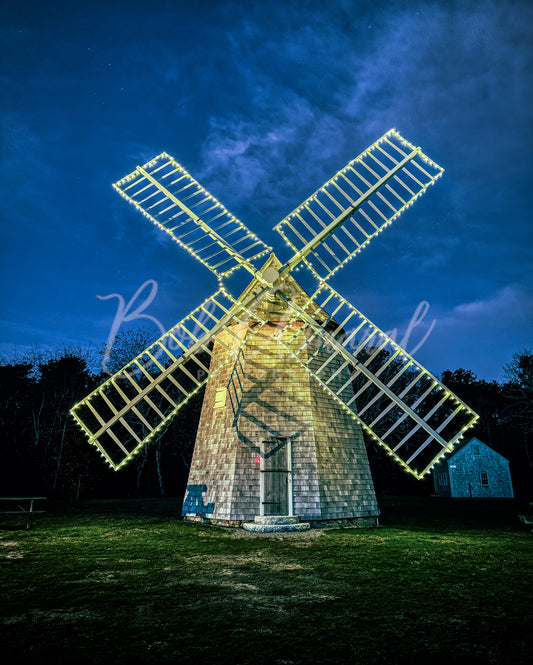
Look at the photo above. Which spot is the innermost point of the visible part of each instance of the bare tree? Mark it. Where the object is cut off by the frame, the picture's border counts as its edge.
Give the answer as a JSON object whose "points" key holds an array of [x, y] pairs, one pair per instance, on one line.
{"points": [[519, 389]]}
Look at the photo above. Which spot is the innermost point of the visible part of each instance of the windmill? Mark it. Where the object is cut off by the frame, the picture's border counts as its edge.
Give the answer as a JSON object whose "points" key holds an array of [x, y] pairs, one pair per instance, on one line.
{"points": [[293, 378]]}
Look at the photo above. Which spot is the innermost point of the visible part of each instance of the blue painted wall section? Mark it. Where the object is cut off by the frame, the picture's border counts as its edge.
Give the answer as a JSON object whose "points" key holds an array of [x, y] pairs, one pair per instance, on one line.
{"points": [[194, 502]]}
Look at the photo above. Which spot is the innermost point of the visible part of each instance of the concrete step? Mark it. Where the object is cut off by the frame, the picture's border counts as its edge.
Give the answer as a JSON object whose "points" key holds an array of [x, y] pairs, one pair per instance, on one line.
{"points": [[276, 524], [275, 528], [276, 519]]}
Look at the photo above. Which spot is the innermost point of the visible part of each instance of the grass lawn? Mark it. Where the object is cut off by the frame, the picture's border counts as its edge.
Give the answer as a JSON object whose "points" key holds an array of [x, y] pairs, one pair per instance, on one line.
{"points": [[112, 582]]}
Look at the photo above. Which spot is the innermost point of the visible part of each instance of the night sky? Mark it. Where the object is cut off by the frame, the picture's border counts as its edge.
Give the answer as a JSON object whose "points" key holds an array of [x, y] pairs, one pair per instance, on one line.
{"points": [[262, 102]]}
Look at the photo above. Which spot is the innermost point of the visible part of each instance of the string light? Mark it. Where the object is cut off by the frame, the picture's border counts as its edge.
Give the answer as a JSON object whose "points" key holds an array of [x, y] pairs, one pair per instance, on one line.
{"points": [[435, 384], [360, 159], [118, 186]]}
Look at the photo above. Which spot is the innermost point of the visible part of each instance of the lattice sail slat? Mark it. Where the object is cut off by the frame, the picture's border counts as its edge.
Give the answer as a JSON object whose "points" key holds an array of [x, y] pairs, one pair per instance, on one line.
{"points": [[399, 403], [133, 405], [173, 200], [382, 181]]}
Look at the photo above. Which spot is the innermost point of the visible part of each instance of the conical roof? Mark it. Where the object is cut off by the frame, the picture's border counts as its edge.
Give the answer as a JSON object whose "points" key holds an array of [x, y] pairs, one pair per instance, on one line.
{"points": [[274, 309]]}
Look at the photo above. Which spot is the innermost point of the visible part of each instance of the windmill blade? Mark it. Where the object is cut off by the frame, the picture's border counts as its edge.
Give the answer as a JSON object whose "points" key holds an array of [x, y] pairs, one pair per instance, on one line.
{"points": [[399, 403], [172, 199], [368, 194], [132, 406]]}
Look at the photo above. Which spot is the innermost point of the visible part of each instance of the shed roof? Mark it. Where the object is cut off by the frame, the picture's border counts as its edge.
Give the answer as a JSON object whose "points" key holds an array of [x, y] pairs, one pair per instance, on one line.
{"points": [[474, 441]]}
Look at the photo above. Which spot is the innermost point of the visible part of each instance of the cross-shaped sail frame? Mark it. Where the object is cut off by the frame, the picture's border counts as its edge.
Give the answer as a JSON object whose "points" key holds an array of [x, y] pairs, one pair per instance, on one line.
{"points": [[399, 403]]}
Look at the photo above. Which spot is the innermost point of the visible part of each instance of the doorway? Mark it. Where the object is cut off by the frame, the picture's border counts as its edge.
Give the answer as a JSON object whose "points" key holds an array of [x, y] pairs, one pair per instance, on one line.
{"points": [[276, 477]]}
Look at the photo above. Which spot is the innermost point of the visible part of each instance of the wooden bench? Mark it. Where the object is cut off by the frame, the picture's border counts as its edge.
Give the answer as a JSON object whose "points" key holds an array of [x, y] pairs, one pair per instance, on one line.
{"points": [[21, 505]]}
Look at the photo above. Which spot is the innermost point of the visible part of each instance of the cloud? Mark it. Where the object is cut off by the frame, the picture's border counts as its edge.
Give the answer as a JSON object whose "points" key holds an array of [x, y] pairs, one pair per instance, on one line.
{"points": [[405, 63], [481, 334], [26, 152], [286, 128], [263, 102], [261, 159], [511, 306]]}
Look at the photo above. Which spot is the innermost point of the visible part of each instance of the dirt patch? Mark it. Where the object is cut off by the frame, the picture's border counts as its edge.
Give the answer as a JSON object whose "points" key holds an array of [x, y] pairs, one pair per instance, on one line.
{"points": [[10, 549], [228, 565]]}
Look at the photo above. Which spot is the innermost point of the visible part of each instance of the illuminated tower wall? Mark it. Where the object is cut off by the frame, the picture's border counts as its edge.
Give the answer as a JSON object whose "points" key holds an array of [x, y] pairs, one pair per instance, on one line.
{"points": [[272, 441]]}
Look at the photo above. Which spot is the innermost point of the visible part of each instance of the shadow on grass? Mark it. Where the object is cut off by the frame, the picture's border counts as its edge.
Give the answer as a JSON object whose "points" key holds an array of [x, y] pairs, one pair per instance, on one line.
{"points": [[450, 514]]}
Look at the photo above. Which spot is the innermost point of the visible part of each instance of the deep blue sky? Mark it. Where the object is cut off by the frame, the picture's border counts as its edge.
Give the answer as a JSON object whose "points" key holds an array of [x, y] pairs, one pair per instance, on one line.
{"points": [[262, 102]]}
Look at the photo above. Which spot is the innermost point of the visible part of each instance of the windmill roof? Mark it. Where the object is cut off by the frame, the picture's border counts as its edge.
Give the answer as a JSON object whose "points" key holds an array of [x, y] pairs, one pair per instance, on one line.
{"points": [[275, 310]]}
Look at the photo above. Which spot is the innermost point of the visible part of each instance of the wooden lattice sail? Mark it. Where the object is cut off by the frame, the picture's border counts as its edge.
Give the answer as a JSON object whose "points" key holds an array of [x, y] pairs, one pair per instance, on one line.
{"points": [[400, 404], [132, 406]]}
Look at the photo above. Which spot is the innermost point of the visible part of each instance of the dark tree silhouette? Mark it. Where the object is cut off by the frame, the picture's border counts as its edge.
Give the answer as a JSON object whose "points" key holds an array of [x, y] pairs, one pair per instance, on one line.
{"points": [[164, 462], [519, 389]]}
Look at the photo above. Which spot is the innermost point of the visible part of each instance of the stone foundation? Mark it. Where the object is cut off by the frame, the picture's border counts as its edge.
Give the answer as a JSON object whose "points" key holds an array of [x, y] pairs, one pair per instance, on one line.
{"points": [[356, 522]]}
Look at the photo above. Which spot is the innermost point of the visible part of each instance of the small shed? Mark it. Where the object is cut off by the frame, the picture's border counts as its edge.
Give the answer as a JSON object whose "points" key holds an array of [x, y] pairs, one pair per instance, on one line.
{"points": [[474, 470]]}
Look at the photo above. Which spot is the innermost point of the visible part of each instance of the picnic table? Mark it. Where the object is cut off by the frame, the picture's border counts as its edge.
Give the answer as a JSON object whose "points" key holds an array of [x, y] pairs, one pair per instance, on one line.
{"points": [[21, 505]]}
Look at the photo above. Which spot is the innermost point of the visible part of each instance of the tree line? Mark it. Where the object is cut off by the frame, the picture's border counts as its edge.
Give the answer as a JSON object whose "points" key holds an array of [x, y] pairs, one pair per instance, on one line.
{"points": [[44, 452]]}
